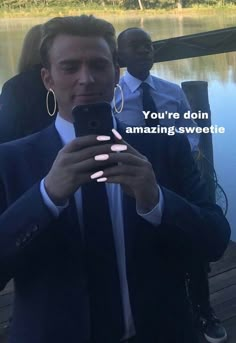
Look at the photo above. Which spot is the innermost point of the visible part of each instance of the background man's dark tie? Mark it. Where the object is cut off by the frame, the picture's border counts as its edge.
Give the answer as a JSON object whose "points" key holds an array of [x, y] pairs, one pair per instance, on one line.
{"points": [[104, 284], [148, 104]]}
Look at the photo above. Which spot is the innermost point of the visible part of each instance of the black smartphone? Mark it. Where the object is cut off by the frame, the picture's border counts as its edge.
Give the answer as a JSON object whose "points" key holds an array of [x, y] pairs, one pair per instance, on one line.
{"points": [[93, 119]]}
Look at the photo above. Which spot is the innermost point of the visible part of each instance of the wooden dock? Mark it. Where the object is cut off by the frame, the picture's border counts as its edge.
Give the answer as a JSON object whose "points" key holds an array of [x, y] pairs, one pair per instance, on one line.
{"points": [[6, 299], [223, 295], [223, 290]]}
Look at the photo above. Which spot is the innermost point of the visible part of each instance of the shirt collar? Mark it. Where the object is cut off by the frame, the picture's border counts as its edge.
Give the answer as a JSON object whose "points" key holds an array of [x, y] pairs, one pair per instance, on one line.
{"points": [[66, 129], [133, 83]]}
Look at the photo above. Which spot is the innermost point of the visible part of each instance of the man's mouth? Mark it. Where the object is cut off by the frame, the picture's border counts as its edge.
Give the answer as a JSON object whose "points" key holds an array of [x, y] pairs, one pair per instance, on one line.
{"points": [[87, 96], [82, 95]]}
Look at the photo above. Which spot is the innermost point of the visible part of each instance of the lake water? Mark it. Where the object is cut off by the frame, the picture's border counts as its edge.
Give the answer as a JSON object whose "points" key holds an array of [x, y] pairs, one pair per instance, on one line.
{"points": [[218, 70]]}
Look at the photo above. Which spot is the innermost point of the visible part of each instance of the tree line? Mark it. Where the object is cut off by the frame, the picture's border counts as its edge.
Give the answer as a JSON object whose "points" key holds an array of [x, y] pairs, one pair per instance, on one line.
{"points": [[121, 4]]}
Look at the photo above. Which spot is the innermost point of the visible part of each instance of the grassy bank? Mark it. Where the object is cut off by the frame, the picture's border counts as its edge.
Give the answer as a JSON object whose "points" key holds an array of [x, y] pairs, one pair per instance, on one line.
{"points": [[41, 11]]}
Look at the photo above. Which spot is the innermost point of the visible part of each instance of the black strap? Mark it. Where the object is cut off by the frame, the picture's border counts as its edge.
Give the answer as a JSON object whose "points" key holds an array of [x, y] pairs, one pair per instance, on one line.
{"points": [[148, 104]]}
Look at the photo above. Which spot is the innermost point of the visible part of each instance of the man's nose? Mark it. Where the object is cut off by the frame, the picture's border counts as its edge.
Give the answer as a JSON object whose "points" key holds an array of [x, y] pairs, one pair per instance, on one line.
{"points": [[85, 76], [144, 49]]}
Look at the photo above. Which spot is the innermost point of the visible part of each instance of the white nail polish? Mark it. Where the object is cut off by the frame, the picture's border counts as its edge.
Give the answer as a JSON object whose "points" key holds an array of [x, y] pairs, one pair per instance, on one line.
{"points": [[119, 147], [102, 179], [103, 138], [116, 134], [97, 174], [103, 157]]}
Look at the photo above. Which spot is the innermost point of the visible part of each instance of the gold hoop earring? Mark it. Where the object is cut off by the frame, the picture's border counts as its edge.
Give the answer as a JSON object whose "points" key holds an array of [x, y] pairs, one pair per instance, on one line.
{"points": [[55, 102], [122, 99]]}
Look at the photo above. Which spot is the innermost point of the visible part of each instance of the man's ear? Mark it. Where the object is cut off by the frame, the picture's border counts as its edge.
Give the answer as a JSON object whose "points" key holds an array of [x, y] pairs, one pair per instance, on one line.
{"points": [[120, 60], [47, 78]]}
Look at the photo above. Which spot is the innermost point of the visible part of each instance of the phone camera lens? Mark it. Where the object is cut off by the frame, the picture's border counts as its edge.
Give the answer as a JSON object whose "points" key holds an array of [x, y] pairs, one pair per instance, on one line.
{"points": [[93, 124]]}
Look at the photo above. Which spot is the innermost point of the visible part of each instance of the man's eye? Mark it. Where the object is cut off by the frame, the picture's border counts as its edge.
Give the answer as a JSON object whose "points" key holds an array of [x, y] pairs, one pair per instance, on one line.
{"points": [[99, 65], [70, 69]]}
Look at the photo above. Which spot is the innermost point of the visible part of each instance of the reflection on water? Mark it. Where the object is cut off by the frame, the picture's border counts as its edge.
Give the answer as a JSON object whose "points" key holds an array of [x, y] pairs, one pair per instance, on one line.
{"points": [[218, 70], [220, 67]]}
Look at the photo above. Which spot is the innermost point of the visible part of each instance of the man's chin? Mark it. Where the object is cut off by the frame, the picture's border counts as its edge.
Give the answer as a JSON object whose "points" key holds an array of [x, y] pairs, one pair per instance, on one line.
{"points": [[142, 71]]}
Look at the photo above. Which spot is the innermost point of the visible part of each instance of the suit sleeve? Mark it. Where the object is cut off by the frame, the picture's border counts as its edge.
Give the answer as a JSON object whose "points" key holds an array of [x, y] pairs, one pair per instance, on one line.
{"points": [[198, 225], [20, 224]]}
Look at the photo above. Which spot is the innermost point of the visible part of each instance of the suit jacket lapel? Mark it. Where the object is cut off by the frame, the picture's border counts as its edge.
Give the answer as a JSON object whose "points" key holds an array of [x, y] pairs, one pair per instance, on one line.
{"points": [[46, 148]]}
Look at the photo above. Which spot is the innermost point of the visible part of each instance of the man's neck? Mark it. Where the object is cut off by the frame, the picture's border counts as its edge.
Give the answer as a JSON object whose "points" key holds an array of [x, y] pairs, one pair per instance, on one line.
{"points": [[65, 116]]}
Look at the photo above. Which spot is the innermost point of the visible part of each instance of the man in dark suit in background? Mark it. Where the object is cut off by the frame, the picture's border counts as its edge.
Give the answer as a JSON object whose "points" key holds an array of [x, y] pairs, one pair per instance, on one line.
{"points": [[96, 240]]}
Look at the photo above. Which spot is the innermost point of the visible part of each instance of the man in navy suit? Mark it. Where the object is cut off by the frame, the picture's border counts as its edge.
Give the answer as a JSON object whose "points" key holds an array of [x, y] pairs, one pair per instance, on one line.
{"points": [[68, 285]]}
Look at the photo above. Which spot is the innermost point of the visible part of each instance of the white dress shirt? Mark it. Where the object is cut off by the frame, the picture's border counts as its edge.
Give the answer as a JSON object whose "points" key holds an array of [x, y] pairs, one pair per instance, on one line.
{"points": [[114, 193], [166, 95]]}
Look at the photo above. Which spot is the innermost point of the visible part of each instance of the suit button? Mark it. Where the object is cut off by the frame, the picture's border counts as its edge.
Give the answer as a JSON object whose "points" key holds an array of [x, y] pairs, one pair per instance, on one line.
{"points": [[24, 239], [28, 234], [35, 228], [18, 243]]}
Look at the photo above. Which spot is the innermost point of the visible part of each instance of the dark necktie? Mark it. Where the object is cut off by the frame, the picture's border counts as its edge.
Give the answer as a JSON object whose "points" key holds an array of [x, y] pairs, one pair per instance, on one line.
{"points": [[103, 278], [148, 104]]}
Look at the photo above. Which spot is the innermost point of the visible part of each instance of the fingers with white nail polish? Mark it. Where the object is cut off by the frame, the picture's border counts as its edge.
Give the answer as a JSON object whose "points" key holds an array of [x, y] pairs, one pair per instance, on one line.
{"points": [[116, 134], [102, 157], [103, 138], [118, 147], [97, 174], [102, 179]]}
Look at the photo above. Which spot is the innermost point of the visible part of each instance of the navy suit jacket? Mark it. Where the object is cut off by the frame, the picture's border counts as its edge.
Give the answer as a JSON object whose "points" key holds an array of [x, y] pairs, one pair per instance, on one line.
{"points": [[45, 255]]}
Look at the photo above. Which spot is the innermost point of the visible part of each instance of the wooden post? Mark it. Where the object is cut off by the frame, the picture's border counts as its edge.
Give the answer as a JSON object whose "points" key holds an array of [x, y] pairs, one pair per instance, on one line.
{"points": [[197, 95]]}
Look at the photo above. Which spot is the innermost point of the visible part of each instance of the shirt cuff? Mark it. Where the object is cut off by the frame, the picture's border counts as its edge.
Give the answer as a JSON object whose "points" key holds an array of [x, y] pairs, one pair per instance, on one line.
{"points": [[56, 210], [155, 215]]}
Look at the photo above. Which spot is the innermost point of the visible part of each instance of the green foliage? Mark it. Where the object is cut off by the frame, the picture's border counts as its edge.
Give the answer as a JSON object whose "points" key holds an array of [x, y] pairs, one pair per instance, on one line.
{"points": [[117, 4]]}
